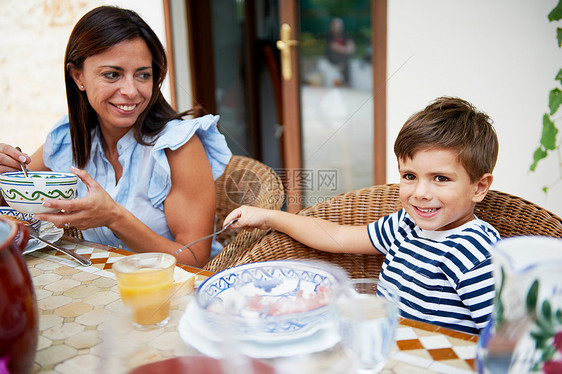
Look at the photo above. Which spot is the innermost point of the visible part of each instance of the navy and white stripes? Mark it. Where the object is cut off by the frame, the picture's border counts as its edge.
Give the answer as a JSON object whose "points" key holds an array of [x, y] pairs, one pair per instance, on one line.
{"points": [[443, 277]]}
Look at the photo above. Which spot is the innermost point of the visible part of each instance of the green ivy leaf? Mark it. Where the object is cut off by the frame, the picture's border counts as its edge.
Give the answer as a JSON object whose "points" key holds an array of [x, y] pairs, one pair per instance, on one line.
{"points": [[538, 155], [502, 281], [554, 100], [559, 36], [544, 321], [548, 353], [533, 295], [541, 339], [546, 327], [536, 367], [556, 13], [549, 131], [545, 189], [499, 317], [546, 310], [559, 76]]}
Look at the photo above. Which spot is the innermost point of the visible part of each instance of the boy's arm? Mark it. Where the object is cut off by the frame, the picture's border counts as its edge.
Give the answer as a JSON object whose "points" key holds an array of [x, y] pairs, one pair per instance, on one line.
{"points": [[311, 231]]}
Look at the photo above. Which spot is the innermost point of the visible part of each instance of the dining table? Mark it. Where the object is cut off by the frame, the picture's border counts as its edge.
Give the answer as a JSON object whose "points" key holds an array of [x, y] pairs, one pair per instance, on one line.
{"points": [[84, 326]]}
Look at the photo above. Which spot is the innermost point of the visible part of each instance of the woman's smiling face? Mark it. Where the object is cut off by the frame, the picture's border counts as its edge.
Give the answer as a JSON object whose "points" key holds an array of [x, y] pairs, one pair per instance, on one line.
{"points": [[436, 191], [118, 83]]}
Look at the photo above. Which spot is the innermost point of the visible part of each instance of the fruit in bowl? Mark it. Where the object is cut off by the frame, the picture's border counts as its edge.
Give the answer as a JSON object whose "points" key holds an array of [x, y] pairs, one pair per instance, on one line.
{"points": [[27, 194], [272, 298]]}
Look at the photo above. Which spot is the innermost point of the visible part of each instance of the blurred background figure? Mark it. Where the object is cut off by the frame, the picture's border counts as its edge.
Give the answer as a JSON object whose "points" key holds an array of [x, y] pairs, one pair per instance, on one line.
{"points": [[339, 48]]}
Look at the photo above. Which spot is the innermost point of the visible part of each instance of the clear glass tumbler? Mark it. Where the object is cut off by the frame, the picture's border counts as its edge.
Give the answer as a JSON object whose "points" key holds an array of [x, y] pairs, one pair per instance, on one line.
{"points": [[145, 283], [372, 319]]}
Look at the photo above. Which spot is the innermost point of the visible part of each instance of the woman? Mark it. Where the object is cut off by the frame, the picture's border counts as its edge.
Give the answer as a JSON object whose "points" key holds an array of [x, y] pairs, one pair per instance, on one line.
{"points": [[147, 176]]}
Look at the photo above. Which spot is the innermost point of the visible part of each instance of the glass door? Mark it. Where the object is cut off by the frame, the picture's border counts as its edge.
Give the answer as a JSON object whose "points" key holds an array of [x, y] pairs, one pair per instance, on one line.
{"points": [[332, 91], [336, 85], [299, 85]]}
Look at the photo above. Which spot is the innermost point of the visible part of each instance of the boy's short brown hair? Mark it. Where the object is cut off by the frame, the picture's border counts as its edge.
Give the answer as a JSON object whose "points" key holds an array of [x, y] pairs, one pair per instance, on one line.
{"points": [[451, 123]]}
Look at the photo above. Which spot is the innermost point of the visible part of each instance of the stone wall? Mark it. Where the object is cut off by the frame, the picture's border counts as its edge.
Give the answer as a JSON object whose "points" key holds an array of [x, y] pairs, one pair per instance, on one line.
{"points": [[34, 36], [32, 45]]}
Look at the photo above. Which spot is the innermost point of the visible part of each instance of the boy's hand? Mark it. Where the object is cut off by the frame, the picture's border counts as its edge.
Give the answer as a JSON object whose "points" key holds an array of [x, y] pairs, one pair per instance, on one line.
{"points": [[249, 217]]}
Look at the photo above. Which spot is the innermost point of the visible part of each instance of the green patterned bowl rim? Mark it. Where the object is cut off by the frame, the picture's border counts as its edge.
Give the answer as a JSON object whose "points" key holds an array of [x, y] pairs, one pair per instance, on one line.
{"points": [[50, 176]]}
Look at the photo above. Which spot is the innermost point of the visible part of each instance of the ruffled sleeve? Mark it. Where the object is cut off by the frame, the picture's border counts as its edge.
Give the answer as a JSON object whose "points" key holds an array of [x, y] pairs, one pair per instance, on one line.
{"points": [[57, 150], [176, 134]]}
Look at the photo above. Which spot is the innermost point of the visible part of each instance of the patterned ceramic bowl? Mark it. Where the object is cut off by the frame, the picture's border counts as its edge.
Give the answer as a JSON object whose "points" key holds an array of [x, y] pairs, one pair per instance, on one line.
{"points": [[26, 195], [273, 298], [19, 216]]}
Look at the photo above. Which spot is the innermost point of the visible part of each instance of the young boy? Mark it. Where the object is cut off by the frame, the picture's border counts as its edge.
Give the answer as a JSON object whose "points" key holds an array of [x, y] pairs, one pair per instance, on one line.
{"points": [[437, 252]]}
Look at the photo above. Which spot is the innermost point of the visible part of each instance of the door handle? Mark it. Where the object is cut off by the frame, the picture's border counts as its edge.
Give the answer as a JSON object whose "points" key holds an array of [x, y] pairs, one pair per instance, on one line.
{"points": [[284, 45]]}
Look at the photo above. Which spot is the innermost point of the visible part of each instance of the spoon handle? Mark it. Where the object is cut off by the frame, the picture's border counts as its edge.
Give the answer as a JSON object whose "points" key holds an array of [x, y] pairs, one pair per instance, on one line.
{"points": [[205, 237], [82, 260], [22, 165]]}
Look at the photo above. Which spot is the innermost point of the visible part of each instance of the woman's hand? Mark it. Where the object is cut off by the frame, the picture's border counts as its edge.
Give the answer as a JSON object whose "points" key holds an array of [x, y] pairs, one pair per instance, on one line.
{"points": [[10, 158], [96, 209]]}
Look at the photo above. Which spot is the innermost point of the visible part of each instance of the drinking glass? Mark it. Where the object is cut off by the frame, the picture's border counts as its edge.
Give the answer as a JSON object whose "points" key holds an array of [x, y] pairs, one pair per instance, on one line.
{"points": [[372, 318], [145, 283]]}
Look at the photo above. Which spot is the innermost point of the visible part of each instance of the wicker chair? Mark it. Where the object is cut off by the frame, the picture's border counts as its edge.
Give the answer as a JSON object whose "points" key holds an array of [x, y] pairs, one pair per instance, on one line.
{"points": [[509, 214], [73, 232], [244, 182]]}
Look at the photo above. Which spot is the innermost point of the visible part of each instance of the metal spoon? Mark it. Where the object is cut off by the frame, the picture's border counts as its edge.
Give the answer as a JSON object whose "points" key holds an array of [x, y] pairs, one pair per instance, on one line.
{"points": [[205, 237], [22, 165], [82, 260]]}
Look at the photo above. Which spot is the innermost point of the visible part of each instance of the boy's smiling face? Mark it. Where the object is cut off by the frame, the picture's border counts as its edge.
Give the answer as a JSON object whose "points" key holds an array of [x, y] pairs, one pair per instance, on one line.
{"points": [[436, 191]]}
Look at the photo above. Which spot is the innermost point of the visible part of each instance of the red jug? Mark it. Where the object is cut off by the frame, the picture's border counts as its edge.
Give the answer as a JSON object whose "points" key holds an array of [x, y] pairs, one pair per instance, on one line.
{"points": [[19, 320]]}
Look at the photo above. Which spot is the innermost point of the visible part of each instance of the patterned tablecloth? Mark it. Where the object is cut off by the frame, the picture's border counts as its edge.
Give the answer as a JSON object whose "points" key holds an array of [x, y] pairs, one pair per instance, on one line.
{"points": [[84, 327]]}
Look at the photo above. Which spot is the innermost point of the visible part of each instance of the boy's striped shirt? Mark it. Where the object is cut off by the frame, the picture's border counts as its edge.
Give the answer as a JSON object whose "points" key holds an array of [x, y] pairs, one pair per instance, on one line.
{"points": [[443, 277]]}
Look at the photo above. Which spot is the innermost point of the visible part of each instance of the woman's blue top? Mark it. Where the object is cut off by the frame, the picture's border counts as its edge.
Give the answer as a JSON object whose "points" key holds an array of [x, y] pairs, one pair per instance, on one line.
{"points": [[145, 182]]}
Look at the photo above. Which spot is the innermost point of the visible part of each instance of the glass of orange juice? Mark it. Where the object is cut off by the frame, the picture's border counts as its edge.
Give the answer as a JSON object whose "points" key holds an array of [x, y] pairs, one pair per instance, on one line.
{"points": [[145, 282]]}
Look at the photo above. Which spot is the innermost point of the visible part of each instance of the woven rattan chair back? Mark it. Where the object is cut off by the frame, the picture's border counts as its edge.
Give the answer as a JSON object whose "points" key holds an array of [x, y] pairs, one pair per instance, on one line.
{"points": [[245, 181], [73, 232], [515, 216], [510, 215]]}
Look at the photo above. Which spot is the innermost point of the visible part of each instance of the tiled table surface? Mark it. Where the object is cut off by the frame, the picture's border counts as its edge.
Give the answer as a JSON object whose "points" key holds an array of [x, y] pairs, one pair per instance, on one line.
{"points": [[84, 327]]}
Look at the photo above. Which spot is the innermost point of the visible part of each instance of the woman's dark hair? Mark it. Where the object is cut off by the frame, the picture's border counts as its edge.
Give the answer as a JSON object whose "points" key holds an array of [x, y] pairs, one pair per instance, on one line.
{"points": [[98, 30]]}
